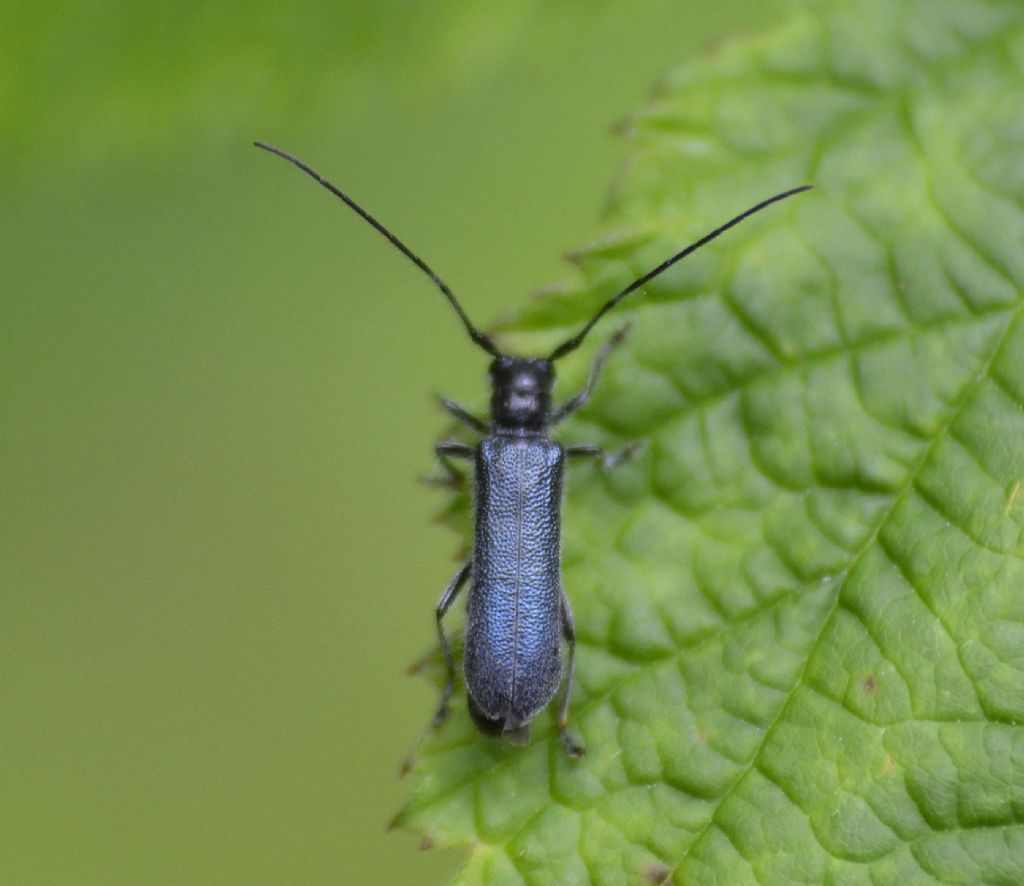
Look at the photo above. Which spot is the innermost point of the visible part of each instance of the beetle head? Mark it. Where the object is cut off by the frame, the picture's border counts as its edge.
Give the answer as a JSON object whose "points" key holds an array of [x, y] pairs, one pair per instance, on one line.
{"points": [[521, 393]]}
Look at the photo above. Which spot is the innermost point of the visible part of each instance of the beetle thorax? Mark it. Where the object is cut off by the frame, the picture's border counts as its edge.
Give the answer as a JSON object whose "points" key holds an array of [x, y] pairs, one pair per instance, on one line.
{"points": [[521, 394]]}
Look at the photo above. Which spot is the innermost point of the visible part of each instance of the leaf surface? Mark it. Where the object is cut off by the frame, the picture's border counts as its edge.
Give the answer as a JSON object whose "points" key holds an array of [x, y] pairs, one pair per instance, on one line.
{"points": [[801, 610]]}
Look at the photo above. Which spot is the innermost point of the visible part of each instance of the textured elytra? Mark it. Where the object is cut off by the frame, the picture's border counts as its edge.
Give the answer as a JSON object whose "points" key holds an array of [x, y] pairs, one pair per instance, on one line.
{"points": [[801, 609], [512, 660]]}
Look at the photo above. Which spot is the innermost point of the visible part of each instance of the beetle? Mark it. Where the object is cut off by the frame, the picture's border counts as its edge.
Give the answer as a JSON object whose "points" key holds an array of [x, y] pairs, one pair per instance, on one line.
{"points": [[517, 612]]}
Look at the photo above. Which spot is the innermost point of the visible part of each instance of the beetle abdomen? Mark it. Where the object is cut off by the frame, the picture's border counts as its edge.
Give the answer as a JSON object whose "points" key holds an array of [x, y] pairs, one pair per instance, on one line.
{"points": [[513, 659]]}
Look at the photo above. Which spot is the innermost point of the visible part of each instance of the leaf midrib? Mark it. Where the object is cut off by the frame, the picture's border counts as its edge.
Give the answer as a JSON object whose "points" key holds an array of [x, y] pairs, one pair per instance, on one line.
{"points": [[643, 669], [906, 487]]}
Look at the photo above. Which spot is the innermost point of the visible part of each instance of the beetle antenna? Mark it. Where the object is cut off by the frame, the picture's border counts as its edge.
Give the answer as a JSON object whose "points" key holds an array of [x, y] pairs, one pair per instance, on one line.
{"points": [[574, 342], [478, 337]]}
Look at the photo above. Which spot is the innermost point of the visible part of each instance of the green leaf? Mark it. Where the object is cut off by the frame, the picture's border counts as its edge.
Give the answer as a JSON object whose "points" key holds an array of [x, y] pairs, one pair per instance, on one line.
{"points": [[801, 610]]}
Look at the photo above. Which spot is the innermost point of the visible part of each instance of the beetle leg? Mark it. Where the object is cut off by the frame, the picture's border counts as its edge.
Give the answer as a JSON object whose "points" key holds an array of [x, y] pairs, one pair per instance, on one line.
{"points": [[572, 747], [443, 605], [451, 449], [608, 460], [575, 402], [463, 415], [453, 478]]}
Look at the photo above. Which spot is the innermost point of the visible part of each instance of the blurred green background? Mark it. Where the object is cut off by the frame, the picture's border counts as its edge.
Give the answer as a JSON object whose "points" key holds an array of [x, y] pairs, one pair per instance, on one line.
{"points": [[215, 562]]}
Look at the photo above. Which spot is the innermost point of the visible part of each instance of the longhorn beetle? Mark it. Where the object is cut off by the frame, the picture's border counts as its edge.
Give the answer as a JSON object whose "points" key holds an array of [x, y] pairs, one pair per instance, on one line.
{"points": [[517, 611]]}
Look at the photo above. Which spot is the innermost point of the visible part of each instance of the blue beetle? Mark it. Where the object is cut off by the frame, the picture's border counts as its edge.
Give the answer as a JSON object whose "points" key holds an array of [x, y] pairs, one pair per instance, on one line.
{"points": [[517, 611]]}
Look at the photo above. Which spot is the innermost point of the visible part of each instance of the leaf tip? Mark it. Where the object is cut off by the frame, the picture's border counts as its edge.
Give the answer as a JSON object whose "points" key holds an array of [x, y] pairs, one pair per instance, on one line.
{"points": [[408, 764]]}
